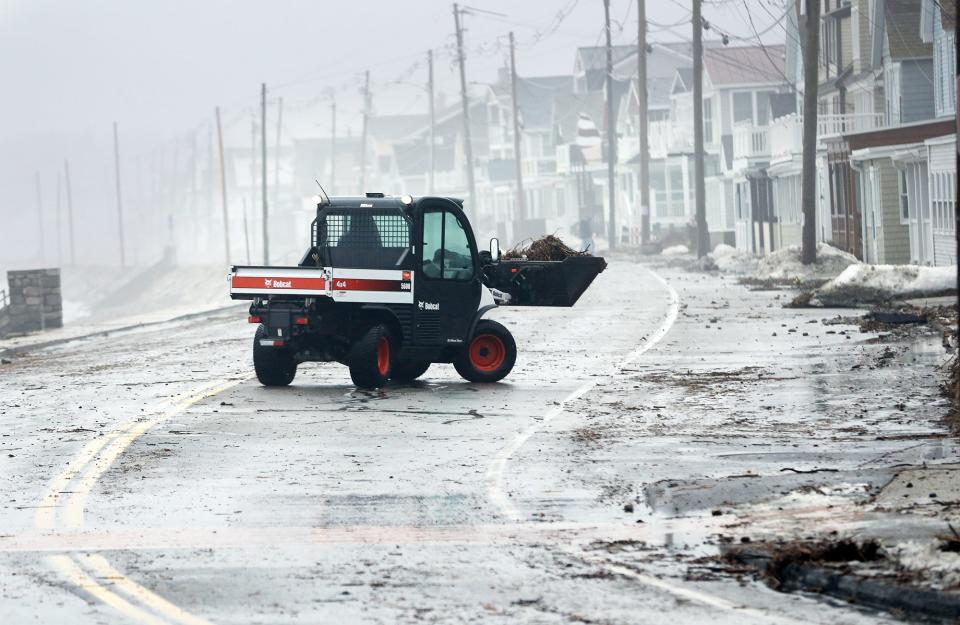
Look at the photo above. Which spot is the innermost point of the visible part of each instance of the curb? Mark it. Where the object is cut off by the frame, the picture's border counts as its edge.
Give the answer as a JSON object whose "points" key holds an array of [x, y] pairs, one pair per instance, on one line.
{"points": [[932, 606], [13, 351]]}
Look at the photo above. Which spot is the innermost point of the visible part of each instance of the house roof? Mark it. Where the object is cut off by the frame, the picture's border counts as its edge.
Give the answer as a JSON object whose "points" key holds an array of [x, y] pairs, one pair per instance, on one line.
{"points": [[392, 127], [682, 80], [595, 57], [568, 107], [535, 98], [902, 23], [745, 64]]}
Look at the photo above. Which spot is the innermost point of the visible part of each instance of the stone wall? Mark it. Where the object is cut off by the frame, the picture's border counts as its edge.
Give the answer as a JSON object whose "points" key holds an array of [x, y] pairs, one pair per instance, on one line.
{"points": [[35, 302]]}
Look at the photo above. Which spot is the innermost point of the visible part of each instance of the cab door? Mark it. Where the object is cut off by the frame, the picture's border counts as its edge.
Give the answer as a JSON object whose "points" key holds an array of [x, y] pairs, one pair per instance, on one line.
{"points": [[447, 288]]}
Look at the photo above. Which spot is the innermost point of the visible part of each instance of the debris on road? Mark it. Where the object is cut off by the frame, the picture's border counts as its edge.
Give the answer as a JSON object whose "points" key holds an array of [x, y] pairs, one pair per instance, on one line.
{"points": [[676, 250], [865, 284], [858, 572], [549, 247]]}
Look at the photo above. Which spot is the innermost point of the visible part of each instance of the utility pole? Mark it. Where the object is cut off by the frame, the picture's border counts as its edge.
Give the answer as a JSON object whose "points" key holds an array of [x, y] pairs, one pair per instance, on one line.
{"points": [[433, 124], [66, 175], [611, 136], [363, 133], [518, 164], [246, 230], [467, 146], [643, 121], [40, 228], [333, 144], [276, 157], [59, 223], [808, 183], [116, 162], [263, 164], [703, 237], [253, 163], [223, 190]]}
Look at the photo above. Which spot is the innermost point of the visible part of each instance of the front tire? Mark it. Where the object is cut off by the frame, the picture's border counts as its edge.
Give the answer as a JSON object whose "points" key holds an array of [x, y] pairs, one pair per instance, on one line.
{"points": [[490, 354], [275, 366], [371, 358]]}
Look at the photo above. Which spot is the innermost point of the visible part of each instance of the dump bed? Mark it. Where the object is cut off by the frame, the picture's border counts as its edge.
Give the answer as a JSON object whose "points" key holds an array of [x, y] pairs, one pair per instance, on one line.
{"points": [[544, 283], [388, 286]]}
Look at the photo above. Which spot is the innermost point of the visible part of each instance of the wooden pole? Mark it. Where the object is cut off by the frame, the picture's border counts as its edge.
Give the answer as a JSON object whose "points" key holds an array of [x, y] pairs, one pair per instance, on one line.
{"points": [[517, 157], [808, 182], [40, 225], [611, 136], [433, 124], [467, 143], [276, 156], [263, 165], [703, 236], [116, 162], [223, 190], [70, 236], [363, 133], [59, 223], [333, 146], [643, 121]]}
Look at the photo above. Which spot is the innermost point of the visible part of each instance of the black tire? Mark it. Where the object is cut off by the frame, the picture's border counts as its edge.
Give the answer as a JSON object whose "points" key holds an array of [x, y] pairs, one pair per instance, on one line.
{"points": [[408, 370], [371, 358], [490, 354], [275, 366]]}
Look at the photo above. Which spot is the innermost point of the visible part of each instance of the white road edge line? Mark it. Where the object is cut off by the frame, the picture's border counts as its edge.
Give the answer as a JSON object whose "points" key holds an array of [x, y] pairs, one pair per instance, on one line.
{"points": [[494, 478], [495, 473]]}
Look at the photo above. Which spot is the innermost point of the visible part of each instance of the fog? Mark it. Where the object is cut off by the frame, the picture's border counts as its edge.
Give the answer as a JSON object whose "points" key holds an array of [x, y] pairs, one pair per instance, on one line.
{"points": [[159, 69]]}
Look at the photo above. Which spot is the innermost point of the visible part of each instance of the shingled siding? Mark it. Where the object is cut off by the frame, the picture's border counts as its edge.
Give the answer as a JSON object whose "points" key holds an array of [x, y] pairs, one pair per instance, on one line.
{"points": [[916, 90], [895, 249]]}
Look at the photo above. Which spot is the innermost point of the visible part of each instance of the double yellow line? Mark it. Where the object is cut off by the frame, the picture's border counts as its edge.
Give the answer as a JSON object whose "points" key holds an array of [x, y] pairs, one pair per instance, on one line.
{"points": [[83, 472]]}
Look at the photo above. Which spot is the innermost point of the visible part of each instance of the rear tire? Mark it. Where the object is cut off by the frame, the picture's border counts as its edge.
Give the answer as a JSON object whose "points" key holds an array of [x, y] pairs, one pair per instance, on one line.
{"points": [[275, 366], [371, 358], [406, 371], [490, 354]]}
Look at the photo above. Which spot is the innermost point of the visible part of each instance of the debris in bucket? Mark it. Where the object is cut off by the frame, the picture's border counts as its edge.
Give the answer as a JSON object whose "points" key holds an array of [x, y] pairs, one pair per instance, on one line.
{"points": [[549, 247]]}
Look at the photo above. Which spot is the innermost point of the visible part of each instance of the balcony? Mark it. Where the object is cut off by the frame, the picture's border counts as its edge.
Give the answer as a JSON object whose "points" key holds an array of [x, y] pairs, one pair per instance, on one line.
{"points": [[847, 123], [666, 136], [786, 133], [786, 137], [750, 143]]}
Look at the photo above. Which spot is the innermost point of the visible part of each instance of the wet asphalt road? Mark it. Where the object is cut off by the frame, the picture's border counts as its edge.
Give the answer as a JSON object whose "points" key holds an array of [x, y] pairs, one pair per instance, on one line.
{"points": [[150, 479]]}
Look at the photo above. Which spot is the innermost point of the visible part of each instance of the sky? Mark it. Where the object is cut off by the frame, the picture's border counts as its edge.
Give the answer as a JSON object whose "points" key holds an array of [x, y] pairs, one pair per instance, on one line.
{"points": [[70, 69]]}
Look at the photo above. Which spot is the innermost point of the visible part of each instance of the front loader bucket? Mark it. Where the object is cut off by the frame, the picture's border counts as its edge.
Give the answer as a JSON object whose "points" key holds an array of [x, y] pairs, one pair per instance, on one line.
{"points": [[544, 283]]}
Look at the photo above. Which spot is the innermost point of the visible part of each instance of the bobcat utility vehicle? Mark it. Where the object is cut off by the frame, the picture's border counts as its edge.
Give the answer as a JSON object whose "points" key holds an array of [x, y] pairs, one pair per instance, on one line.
{"points": [[391, 285]]}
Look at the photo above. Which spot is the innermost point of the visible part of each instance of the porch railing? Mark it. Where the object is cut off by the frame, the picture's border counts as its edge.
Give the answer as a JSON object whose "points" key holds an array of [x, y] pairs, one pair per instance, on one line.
{"points": [[750, 141], [845, 123], [786, 136]]}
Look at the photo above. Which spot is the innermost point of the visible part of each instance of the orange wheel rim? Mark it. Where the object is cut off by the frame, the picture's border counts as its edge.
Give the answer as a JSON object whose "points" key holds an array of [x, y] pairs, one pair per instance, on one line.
{"points": [[487, 352], [383, 355]]}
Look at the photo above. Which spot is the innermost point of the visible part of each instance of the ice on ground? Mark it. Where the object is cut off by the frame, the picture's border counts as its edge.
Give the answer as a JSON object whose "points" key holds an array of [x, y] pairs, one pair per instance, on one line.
{"points": [[785, 264], [729, 259], [676, 250], [872, 283]]}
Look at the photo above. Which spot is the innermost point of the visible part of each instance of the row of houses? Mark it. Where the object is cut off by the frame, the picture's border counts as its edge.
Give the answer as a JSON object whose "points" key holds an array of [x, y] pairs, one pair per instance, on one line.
{"points": [[886, 142]]}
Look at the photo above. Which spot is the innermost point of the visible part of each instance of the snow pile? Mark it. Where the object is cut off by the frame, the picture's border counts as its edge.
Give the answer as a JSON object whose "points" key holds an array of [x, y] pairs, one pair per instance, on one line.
{"points": [[878, 283], [676, 250], [785, 264], [729, 259]]}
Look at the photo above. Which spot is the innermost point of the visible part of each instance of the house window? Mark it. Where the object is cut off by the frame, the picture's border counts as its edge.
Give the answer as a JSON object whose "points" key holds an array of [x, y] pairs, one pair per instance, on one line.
{"points": [[742, 106], [944, 201], [904, 197], [675, 208]]}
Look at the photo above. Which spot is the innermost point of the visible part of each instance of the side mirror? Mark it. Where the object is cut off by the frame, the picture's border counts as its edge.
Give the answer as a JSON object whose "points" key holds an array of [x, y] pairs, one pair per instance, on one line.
{"points": [[495, 248]]}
